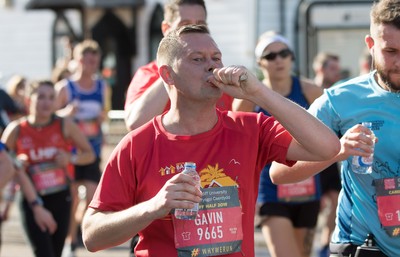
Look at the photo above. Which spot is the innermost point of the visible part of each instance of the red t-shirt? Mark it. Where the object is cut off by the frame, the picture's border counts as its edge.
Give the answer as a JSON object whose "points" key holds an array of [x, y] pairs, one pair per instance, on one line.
{"points": [[235, 150], [146, 75]]}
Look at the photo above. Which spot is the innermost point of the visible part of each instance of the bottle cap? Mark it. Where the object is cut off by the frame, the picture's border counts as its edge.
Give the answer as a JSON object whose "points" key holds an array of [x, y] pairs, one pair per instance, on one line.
{"points": [[190, 164]]}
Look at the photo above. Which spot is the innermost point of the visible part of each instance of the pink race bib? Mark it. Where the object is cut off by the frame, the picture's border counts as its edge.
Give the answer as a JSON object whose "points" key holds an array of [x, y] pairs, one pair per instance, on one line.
{"points": [[217, 230], [90, 128], [48, 178], [297, 192], [388, 201]]}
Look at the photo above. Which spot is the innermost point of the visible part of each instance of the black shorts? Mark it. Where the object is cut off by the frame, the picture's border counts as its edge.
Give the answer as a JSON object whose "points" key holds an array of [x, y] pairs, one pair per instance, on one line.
{"points": [[89, 172], [304, 215], [330, 179]]}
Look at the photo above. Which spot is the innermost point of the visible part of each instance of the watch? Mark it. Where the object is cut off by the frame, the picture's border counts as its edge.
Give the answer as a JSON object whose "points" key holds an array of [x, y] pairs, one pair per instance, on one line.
{"points": [[37, 201]]}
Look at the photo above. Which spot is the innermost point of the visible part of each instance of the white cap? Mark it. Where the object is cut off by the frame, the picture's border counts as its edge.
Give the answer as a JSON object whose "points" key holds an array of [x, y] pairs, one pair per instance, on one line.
{"points": [[265, 40]]}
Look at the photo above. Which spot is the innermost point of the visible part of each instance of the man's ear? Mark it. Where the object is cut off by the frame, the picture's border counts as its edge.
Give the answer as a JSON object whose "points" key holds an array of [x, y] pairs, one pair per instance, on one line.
{"points": [[165, 74], [165, 27], [369, 41]]}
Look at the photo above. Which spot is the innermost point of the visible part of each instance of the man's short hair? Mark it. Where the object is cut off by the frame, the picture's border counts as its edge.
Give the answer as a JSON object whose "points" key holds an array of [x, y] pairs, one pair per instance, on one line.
{"points": [[86, 46], [386, 12], [34, 85], [170, 45], [171, 8], [322, 59]]}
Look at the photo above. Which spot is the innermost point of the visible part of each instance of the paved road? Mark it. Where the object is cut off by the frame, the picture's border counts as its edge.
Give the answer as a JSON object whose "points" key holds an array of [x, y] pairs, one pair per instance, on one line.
{"points": [[14, 243]]}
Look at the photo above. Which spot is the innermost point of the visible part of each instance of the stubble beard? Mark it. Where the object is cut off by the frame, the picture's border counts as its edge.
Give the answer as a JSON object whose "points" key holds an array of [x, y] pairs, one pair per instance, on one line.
{"points": [[392, 86]]}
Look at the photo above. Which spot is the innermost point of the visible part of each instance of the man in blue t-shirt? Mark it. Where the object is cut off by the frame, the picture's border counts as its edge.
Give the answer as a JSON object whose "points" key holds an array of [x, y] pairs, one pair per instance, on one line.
{"points": [[369, 204]]}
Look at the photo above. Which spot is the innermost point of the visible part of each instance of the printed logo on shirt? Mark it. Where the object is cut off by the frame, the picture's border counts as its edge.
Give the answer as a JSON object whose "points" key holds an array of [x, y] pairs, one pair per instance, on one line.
{"points": [[26, 142], [214, 176], [42, 153], [211, 176], [233, 161], [377, 124], [167, 170], [55, 138]]}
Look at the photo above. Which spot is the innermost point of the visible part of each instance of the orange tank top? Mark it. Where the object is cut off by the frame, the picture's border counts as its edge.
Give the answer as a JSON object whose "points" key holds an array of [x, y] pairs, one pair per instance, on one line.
{"points": [[40, 144]]}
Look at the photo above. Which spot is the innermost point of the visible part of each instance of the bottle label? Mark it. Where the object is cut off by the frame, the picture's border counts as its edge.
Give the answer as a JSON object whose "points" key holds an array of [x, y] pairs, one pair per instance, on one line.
{"points": [[298, 192], [362, 161], [363, 165], [388, 202], [217, 230]]}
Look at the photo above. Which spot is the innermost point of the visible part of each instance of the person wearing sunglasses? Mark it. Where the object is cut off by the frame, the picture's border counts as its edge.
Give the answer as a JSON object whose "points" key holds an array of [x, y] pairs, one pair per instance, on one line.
{"points": [[286, 214]]}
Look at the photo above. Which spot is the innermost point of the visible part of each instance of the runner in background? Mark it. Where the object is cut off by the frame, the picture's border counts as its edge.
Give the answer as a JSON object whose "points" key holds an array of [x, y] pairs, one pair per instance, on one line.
{"points": [[40, 141], [327, 72], [287, 214], [85, 97]]}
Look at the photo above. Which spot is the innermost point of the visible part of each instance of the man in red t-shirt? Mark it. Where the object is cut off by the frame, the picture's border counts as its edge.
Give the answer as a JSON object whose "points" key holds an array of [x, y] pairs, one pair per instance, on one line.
{"points": [[146, 96], [143, 181]]}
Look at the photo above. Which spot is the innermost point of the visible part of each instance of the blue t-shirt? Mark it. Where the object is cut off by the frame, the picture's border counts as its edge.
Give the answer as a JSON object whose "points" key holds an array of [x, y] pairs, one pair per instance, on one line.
{"points": [[340, 108]]}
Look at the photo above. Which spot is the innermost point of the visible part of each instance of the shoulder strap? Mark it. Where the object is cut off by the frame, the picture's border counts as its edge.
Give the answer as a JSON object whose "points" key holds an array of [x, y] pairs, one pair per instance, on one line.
{"points": [[102, 89], [72, 91], [56, 118]]}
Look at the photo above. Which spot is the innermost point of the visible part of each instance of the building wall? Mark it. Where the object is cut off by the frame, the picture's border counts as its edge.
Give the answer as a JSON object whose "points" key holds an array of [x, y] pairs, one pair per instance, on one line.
{"points": [[25, 45], [271, 18], [142, 33], [234, 24]]}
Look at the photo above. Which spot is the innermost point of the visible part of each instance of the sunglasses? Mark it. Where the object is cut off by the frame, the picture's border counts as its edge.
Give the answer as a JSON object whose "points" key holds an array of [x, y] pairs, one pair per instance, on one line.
{"points": [[272, 55]]}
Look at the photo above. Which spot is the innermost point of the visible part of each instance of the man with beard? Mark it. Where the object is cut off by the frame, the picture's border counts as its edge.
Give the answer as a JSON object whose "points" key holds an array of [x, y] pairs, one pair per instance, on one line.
{"points": [[368, 203]]}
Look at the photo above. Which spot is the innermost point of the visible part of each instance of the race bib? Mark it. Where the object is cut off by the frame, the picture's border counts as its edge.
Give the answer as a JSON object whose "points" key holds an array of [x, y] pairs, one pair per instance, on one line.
{"points": [[298, 192], [48, 178], [217, 230], [388, 201], [90, 128]]}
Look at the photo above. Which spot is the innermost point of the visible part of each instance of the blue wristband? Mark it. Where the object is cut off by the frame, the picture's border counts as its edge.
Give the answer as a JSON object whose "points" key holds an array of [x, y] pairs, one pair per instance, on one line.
{"points": [[2, 146]]}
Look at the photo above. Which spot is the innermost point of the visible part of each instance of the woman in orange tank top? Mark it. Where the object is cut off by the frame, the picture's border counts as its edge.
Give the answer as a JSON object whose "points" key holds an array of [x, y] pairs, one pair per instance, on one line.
{"points": [[41, 142]]}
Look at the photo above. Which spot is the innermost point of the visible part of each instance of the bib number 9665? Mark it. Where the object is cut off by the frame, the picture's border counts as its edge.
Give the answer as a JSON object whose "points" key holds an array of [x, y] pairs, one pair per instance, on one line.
{"points": [[208, 233]]}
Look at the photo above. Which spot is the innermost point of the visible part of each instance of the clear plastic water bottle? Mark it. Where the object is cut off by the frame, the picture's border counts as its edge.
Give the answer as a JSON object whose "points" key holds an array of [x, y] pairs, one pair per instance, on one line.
{"points": [[363, 165], [189, 214]]}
